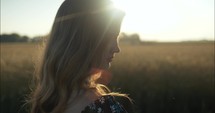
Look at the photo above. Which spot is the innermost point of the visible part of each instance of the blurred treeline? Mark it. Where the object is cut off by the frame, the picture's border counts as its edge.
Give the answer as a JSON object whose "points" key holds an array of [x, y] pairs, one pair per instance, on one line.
{"points": [[125, 38], [14, 37]]}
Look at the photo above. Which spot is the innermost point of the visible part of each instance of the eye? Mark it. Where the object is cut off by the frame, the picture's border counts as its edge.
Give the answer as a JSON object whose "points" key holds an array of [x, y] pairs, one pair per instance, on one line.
{"points": [[116, 35], [112, 35], [114, 38]]}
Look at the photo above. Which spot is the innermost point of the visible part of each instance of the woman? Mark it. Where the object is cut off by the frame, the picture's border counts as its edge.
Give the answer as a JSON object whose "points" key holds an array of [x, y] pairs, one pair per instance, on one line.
{"points": [[81, 46]]}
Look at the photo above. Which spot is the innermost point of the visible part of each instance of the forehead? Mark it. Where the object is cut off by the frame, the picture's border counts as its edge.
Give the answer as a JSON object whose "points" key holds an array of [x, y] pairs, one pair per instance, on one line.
{"points": [[114, 27]]}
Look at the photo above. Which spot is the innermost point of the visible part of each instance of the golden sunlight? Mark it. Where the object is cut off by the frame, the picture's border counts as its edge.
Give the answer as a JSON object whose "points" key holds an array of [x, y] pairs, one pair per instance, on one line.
{"points": [[147, 16], [167, 20]]}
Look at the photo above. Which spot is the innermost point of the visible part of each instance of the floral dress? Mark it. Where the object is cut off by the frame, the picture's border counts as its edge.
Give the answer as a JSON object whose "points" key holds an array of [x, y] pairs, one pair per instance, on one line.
{"points": [[105, 104]]}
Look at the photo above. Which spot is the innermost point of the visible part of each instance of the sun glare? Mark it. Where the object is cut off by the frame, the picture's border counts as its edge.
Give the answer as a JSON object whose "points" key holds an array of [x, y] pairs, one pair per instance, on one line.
{"points": [[165, 19], [146, 16]]}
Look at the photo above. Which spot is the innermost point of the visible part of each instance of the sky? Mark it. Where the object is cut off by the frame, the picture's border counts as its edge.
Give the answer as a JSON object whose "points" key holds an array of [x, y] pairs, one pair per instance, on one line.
{"points": [[153, 20]]}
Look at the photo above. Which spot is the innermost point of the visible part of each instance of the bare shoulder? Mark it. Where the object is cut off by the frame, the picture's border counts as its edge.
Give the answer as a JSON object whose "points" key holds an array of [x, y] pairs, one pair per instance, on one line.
{"points": [[78, 103]]}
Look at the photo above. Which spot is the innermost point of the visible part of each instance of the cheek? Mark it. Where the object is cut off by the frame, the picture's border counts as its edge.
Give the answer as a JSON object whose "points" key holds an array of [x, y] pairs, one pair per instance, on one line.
{"points": [[114, 47], [110, 48]]}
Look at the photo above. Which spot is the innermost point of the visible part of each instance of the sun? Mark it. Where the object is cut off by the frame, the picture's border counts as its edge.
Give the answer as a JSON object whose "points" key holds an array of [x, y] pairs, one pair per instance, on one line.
{"points": [[129, 7], [147, 17]]}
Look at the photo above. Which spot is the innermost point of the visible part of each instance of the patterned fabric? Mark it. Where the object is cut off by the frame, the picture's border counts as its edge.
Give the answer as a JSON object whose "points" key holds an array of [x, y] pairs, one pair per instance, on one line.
{"points": [[105, 104]]}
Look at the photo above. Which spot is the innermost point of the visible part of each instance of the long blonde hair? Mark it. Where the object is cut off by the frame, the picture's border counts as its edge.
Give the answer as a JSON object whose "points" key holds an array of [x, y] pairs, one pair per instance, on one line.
{"points": [[75, 44]]}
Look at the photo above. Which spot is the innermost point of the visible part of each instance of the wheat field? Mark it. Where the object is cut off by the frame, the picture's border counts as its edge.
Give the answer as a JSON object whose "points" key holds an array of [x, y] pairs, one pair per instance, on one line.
{"points": [[160, 78]]}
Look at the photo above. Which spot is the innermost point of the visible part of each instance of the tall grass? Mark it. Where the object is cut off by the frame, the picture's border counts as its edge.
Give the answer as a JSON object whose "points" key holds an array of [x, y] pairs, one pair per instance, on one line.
{"points": [[160, 78], [167, 78], [17, 68]]}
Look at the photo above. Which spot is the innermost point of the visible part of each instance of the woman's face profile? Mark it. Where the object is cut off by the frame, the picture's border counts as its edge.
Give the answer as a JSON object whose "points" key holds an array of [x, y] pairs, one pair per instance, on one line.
{"points": [[110, 53], [112, 47]]}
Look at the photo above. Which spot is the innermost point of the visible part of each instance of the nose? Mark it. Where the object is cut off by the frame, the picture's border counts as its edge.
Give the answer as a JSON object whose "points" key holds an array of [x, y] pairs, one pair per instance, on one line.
{"points": [[116, 49]]}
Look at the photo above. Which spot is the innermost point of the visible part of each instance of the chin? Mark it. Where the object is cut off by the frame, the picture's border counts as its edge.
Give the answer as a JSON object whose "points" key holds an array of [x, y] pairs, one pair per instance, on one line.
{"points": [[107, 66]]}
